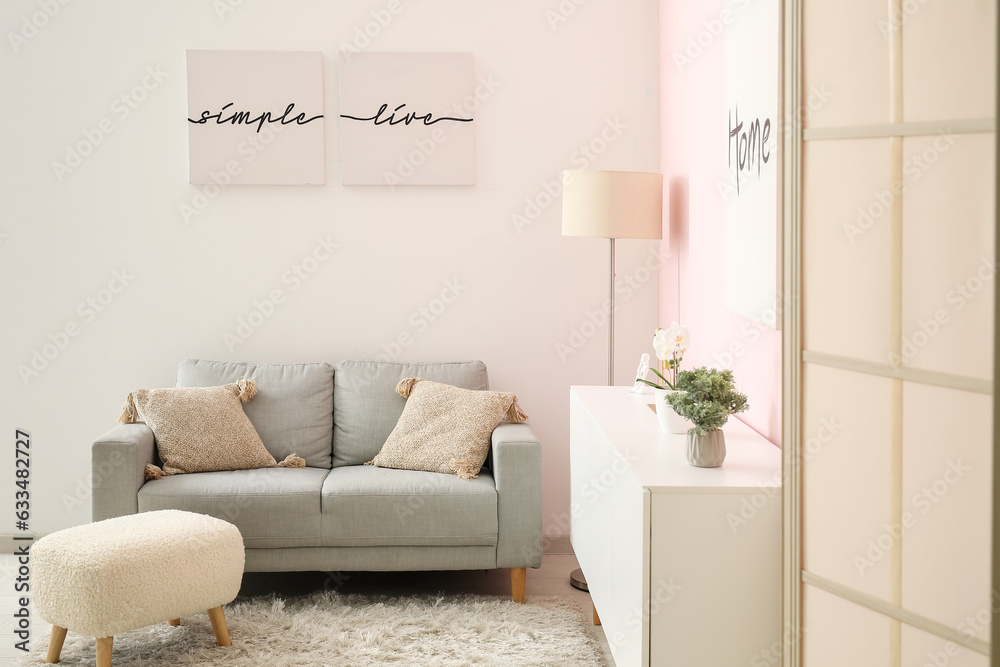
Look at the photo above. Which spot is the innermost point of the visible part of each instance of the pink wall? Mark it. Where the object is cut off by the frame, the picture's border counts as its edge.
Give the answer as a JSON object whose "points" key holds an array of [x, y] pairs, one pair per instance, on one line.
{"points": [[692, 158]]}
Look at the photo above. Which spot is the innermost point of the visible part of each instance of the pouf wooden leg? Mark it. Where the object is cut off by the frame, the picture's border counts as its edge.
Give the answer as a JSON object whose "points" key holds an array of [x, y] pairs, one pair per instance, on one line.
{"points": [[518, 575], [56, 644], [174, 621], [104, 645], [218, 618]]}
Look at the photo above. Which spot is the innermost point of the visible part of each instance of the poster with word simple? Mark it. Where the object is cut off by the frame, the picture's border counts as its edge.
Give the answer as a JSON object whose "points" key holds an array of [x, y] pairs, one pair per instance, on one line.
{"points": [[255, 117], [750, 192], [407, 119]]}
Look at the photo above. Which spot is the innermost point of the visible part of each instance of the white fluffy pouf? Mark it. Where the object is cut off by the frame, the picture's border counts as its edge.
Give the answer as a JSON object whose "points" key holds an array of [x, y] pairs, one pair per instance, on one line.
{"points": [[105, 578]]}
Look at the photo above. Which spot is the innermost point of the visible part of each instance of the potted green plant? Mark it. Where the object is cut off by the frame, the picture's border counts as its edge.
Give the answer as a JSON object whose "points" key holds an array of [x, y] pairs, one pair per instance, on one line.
{"points": [[670, 346], [707, 397]]}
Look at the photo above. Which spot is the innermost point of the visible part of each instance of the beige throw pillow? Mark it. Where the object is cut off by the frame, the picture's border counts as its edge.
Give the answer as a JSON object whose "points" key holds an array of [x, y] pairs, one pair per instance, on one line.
{"points": [[199, 429], [444, 428]]}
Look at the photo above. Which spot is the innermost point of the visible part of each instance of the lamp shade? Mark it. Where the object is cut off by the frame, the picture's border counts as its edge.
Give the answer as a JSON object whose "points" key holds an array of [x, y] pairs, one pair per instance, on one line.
{"points": [[612, 204]]}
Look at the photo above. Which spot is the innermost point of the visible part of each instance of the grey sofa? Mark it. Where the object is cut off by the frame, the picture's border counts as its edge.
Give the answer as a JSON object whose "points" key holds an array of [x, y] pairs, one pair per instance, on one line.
{"points": [[337, 514]]}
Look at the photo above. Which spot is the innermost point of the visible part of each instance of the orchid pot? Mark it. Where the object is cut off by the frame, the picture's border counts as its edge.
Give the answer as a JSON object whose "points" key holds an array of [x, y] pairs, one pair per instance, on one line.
{"points": [[670, 421]]}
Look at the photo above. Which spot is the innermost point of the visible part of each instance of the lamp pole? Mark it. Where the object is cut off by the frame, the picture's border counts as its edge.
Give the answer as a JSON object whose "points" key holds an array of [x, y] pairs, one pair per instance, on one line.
{"points": [[576, 577], [611, 321]]}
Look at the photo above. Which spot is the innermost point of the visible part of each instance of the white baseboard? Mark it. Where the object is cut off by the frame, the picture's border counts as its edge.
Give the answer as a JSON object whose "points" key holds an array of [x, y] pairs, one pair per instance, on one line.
{"points": [[556, 544], [8, 545]]}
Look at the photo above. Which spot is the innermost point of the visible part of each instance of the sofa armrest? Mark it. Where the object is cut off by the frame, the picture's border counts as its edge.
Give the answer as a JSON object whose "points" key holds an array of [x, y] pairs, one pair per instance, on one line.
{"points": [[517, 470], [118, 463]]}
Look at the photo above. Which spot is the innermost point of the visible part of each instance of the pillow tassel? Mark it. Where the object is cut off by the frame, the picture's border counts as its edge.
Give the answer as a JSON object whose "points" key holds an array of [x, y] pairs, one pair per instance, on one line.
{"points": [[152, 472], [370, 463], [293, 461], [406, 386], [463, 469], [514, 413], [129, 414], [248, 389]]}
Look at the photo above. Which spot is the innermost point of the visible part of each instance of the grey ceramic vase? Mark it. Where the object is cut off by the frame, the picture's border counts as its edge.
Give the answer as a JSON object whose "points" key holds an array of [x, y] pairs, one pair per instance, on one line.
{"points": [[706, 451]]}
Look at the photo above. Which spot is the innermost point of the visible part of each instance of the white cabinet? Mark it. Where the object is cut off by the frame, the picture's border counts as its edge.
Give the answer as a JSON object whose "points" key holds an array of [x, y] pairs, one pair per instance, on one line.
{"points": [[683, 563]]}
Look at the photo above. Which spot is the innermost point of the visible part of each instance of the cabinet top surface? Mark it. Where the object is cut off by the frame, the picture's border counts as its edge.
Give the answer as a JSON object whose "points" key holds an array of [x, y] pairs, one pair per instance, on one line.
{"points": [[657, 459]]}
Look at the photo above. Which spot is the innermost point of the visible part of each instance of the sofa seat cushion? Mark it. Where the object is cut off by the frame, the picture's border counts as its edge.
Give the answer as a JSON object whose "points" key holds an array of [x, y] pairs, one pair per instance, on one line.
{"points": [[367, 506], [366, 406], [293, 408], [272, 507]]}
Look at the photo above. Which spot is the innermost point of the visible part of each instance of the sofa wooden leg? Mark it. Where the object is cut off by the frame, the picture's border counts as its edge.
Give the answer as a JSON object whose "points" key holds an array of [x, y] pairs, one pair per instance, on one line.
{"points": [[174, 621], [597, 619], [218, 618], [56, 644], [104, 646], [518, 576]]}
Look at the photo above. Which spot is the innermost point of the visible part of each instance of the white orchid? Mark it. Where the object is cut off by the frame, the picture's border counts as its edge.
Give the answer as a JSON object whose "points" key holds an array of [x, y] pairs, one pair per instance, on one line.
{"points": [[662, 345], [670, 346], [678, 337]]}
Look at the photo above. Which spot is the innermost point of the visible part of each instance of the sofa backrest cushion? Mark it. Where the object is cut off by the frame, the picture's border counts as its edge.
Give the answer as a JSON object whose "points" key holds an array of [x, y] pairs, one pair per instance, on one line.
{"points": [[366, 406], [293, 409]]}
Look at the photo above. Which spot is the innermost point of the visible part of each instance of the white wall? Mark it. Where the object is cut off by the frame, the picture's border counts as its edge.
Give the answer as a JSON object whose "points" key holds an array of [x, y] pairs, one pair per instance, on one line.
{"points": [[561, 84]]}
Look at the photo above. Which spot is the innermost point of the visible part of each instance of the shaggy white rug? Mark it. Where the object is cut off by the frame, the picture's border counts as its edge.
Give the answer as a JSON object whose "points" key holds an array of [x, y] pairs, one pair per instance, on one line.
{"points": [[329, 629]]}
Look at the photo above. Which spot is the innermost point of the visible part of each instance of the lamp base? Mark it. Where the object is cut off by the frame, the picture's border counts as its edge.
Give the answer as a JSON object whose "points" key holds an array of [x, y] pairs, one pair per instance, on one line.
{"points": [[577, 580]]}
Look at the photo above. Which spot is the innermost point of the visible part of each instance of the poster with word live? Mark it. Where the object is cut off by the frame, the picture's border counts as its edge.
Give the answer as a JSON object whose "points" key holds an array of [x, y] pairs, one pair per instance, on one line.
{"points": [[408, 118]]}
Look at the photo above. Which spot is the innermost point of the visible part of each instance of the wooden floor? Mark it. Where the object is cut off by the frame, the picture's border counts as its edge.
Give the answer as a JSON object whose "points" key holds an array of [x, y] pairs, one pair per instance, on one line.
{"points": [[551, 579]]}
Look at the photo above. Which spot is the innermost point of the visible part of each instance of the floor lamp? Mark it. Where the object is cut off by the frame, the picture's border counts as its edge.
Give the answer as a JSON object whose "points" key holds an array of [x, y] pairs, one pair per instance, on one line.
{"points": [[611, 205]]}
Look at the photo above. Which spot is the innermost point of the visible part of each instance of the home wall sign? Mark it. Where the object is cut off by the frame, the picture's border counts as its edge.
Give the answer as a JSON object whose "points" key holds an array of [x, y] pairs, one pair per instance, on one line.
{"points": [[255, 117], [405, 119], [750, 191]]}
